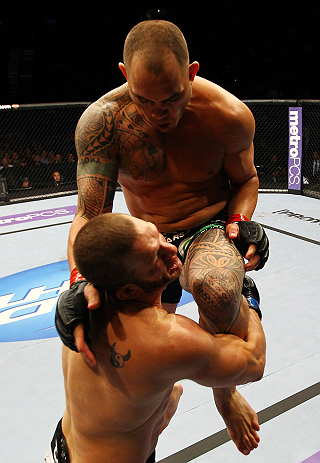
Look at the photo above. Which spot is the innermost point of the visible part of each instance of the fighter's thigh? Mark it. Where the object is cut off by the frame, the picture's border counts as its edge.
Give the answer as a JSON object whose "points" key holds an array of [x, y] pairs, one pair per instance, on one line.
{"points": [[213, 272]]}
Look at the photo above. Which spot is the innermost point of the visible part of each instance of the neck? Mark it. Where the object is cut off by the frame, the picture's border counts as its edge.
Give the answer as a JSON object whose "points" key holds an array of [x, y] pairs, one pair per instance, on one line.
{"points": [[143, 301]]}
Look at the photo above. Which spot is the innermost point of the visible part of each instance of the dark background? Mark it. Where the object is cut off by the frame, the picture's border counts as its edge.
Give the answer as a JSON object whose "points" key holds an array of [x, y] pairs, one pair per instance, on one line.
{"points": [[67, 53]]}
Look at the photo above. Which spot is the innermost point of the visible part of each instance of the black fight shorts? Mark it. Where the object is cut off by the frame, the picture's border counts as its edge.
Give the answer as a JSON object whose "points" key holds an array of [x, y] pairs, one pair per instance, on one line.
{"points": [[58, 450], [182, 240]]}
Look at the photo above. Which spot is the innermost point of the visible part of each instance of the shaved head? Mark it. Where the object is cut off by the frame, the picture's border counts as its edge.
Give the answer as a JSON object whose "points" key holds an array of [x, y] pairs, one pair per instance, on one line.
{"points": [[154, 40]]}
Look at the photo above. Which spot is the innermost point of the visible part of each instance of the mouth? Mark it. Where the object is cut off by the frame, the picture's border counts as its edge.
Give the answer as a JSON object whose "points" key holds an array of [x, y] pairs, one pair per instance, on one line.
{"points": [[176, 265], [163, 127]]}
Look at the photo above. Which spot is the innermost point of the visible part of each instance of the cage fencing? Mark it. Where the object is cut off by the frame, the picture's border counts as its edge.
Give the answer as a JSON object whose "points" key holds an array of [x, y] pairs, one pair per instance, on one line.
{"points": [[271, 142], [37, 149], [311, 147], [38, 156]]}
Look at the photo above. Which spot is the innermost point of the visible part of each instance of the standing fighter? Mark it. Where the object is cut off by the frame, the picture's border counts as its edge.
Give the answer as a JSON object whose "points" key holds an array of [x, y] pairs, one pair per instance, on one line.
{"points": [[182, 149]]}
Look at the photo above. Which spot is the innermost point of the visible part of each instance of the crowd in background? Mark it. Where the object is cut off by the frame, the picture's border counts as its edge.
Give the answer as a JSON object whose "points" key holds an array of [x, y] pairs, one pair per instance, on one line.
{"points": [[35, 167]]}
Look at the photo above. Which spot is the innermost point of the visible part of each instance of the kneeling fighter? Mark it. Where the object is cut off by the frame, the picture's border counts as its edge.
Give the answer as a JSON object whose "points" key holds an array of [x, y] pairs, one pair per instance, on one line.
{"points": [[116, 410]]}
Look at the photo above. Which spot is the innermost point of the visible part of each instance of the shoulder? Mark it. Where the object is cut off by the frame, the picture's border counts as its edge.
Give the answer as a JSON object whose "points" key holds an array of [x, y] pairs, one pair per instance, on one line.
{"points": [[222, 107], [106, 107], [177, 342], [96, 128]]}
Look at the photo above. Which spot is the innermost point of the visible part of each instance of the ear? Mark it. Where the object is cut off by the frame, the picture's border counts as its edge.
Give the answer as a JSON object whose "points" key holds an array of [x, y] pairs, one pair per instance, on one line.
{"points": [[128, 291], [193, 69], [123, 70]]}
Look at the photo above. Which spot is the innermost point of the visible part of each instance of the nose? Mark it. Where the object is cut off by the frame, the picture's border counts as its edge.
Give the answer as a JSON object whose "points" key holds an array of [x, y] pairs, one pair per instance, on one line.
{"points": [[167, 250], [159, 112]]}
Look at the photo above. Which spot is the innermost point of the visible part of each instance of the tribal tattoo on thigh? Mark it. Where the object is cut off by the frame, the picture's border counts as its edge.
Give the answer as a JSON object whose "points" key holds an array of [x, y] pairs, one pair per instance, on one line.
{"points": [[214, 272]]}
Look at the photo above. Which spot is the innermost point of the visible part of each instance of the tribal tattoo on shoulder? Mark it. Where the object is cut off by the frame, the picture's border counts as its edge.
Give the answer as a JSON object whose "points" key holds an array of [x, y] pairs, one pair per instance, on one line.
{"points": [[214, 272], [113, 137], [97, 164]]}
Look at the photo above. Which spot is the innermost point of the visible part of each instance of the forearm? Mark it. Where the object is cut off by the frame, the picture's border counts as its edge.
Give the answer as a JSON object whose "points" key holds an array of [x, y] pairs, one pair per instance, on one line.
{"points": [[78, 222], [256, 346], [243, 198], [249, 357], [233, 361]]}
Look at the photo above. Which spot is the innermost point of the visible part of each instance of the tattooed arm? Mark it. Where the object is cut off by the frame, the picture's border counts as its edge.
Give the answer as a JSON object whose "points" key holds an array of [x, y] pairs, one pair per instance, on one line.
{"points": [[97, 166]]}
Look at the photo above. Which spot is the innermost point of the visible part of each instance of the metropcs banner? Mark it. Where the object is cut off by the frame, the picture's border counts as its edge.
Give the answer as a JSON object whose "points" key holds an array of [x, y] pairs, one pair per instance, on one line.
{"points": [[295, 149]]}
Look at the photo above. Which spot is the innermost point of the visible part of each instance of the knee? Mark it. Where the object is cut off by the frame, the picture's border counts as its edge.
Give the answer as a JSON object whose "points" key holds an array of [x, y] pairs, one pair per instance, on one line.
{"points": [[218, 298], [223, 289]]}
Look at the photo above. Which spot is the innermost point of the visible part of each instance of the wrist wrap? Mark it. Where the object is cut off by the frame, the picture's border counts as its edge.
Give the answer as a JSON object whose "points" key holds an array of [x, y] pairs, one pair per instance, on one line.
{"points": [[75, 276], [237, 218]]}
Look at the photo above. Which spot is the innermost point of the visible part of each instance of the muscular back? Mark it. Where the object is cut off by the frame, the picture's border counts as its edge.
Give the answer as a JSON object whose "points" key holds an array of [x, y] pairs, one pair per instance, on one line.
{"points": [[114, 411], [177, 179]]}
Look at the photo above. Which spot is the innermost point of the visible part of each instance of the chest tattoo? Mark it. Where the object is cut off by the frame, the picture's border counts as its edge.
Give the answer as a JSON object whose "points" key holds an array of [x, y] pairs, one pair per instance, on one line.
{"points": [[141, 148]]}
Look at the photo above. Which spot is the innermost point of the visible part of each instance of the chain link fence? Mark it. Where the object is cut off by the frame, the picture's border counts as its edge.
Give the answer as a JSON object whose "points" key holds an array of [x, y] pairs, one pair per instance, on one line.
{"points": [[311, 147], [38, 157], [37, 150], [271, 142]]}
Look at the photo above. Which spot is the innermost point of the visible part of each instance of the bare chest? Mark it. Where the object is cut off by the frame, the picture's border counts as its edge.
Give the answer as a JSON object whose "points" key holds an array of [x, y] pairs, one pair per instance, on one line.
{"points": [[146, 155]]}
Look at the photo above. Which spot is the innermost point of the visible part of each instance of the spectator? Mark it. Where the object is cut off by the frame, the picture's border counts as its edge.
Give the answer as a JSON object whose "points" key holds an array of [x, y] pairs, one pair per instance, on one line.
{"points": [[70, 159], [5, 164], [51, 157], [70, 168], [38, 172], [56, 178], [7, 171], [15, 160], [58, 159], [25, 183], [44, 157], [277, 169]]}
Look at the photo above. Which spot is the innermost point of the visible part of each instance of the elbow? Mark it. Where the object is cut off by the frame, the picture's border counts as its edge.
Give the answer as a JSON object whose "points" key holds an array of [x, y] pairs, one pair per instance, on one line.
{"points": [[258, 369]]}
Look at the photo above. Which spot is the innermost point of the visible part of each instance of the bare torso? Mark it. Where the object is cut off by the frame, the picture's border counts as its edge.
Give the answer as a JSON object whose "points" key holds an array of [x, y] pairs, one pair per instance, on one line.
{"points": [[115, 410], [176, 180], [115, 414]]}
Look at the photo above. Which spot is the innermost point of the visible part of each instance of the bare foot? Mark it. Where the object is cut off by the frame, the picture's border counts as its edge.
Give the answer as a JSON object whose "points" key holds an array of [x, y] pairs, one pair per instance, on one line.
{"points": [[176, 393], [241, 420]]}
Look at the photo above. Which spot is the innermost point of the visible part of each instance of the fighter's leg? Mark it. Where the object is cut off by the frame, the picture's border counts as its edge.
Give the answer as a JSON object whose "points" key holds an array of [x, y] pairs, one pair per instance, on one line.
{"points": [[213, 272]]}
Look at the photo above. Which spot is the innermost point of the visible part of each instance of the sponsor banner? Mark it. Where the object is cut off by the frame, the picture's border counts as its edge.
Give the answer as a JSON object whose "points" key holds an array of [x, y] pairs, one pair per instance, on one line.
{"points": [[9, 106], [295, 149], [37, 215], [28, 302], [295, 215]]}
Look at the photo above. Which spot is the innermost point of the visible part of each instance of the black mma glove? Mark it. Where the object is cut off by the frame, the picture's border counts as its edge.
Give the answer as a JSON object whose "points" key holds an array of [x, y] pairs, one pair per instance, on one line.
{"points": [[72, 309], [253, 233]]}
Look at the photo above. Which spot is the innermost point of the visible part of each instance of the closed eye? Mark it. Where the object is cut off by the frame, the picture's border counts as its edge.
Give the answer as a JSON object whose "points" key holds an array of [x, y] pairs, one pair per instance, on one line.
{"points": [[143, 100]]}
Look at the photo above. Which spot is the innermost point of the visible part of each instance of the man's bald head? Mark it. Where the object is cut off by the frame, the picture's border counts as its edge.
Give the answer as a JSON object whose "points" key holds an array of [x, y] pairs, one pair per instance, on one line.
{"points": [[153, 41]]}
